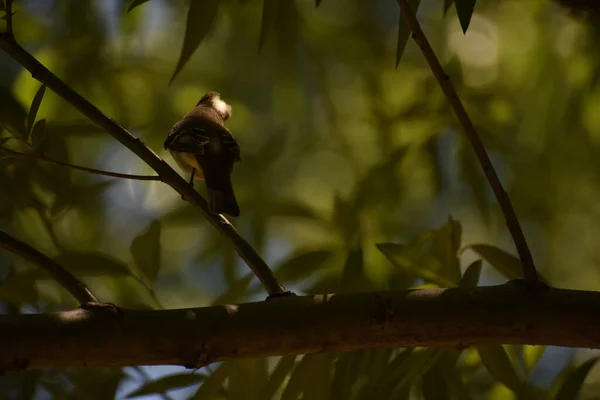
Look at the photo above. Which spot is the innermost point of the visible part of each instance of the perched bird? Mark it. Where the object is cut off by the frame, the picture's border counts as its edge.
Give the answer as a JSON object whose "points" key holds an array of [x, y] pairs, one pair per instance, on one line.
{"points": [[204, 147]]}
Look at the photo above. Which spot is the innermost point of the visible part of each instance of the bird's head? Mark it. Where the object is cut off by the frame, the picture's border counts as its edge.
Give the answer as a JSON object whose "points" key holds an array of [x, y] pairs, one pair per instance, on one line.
{"points": [[213, 99]]}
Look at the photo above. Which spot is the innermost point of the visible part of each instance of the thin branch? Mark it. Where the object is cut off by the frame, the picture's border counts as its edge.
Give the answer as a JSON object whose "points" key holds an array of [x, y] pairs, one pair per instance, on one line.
{"points": [[458, 317], [79, 168], [529, 270], [167, 174], [61, 275]]}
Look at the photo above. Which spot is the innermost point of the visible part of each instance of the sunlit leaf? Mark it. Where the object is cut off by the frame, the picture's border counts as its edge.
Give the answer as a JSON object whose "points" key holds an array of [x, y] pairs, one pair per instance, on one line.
{"points": [[302, 264], [35, 106], [136, 3], [415, 262], [269, 17], [573, 382], [37, 133], [532, 355], [445, 245], [281, 371], [213, 383], [498, 363], [146, 251], [200, 18], [92, 264], [404, 31], [165, 383], [471, 275], [464, 9]]}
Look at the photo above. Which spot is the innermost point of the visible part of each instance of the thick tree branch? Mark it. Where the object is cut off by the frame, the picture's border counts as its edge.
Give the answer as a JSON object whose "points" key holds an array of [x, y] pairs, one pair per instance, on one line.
{"points": [[94, 171], [61, 275], [166, 173], [529, 270], [506, 314]]}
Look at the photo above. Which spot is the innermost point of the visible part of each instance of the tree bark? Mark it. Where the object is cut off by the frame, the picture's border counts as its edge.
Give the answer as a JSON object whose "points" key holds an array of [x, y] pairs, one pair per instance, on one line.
{"points": [[506, 314]]}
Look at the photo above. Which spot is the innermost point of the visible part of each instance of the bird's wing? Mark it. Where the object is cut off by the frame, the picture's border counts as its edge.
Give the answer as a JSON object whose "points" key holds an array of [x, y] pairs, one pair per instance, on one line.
{"points": [[190, 140], [230, 145]]}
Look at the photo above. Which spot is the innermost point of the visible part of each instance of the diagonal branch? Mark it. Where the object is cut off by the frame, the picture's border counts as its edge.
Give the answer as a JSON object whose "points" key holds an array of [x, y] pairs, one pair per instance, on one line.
{"points": [[529, 270], [61, 275], [80, 168], [166, 173], [458, 317]]}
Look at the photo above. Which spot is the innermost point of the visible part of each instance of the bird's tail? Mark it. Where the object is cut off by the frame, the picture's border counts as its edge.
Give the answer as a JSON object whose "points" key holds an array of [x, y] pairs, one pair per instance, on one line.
{"points": [[221, 199]]}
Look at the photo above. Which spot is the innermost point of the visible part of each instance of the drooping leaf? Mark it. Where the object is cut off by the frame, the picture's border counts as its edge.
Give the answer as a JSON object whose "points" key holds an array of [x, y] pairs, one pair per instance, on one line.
{"points": [[146, 251], [498, 363], [247, 378], [299, 379], [37, 134], [433, 385], [464, 9], [346, 367], [136, 3], [92, 264], [573, 382], [213, 383], [404, 30], [200, 18], [445, 245], [471, 275], [302, 264], [269, 17], [35, 106], [409, 366], [316, 385], [415, 262], [281, 371], [165, 383]]}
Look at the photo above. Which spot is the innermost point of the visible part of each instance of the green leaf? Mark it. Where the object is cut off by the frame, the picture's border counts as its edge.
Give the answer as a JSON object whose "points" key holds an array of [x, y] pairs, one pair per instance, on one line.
{"points": [[415, 262], [200, 18], [37, 133], [433, 385], [302, 264], [12, 114], [213, 384], [532, 355], [165, 383], [498, 363], [299, 379], [471, 275], [316, 384], [573, 382], [353, 275], [2, 6], [447, 4], [136, 3], [247, 378], [281, 371], [92, 264], [146, 251], [269, 17], [4, 140], [35, 106], [505, 263], [445, 245], [464, 9], [318, 3], [404, 31]]}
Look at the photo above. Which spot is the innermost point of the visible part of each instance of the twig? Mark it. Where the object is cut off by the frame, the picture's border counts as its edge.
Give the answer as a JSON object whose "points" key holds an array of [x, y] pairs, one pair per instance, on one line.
{"points": [[167, 174], [529, 270], [79, 168], [61, 275]]}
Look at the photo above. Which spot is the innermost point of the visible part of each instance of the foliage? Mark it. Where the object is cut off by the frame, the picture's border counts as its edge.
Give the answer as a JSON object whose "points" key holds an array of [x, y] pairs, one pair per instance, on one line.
{"points": [[351, 167]]}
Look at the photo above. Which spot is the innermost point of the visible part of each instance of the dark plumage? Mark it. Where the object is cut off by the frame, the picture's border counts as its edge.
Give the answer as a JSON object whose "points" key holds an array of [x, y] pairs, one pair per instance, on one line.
{"points": [[205, 148]]}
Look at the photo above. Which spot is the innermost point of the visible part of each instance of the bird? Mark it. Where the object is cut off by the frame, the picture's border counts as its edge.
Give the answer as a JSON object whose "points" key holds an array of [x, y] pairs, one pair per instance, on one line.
{"points": [[202, 146]]}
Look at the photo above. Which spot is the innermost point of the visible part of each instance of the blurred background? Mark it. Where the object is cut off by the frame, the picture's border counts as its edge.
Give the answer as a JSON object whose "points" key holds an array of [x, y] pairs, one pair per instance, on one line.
{"points": [[340, 151]]}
